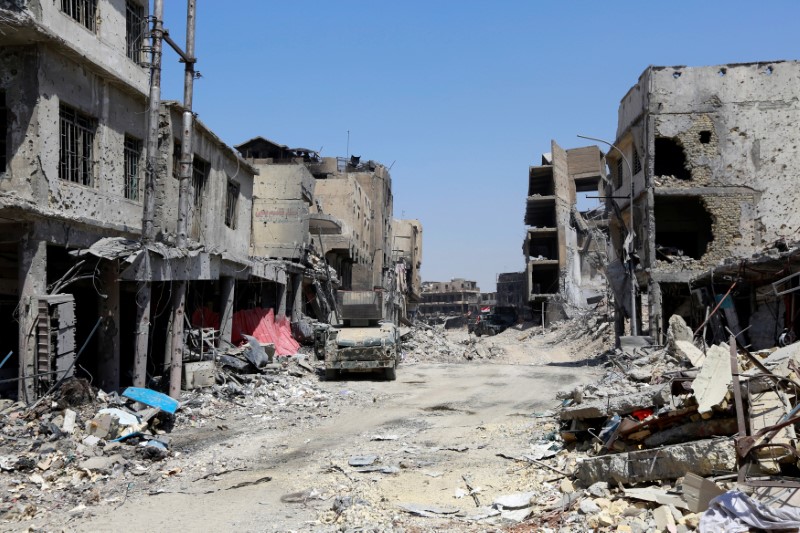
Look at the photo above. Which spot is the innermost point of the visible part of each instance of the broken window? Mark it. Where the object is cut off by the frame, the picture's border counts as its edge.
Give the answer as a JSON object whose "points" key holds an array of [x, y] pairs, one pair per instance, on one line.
{"points": [[231, 202], [670, 159], [683, 227], [133, 156], [637, 162], [76, 155], [83, 11], [134, 30], [200, 171], [618, 174], [3, 132]]}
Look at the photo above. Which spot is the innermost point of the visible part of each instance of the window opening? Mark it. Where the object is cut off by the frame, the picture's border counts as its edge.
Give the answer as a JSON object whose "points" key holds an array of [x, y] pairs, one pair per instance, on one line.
{"points": [[133, 156], [705, 137], [637, 162], [76, 156], [200, 170], [82, 11], [618, 174], [231, 203], [134, 30]]}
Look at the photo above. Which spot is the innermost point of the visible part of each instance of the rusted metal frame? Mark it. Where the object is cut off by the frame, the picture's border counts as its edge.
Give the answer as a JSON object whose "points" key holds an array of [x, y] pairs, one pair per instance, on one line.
{"points": [[737, 398], [748, 443]]}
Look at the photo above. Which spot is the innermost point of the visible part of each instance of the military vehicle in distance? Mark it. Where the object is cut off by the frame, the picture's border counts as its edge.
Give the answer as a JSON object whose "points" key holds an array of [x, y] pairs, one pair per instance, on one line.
{"points": [[364, 341]]}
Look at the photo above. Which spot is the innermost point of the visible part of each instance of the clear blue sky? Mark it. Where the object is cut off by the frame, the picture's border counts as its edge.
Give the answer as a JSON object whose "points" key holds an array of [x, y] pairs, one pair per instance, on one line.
{"points": [[460, 96]]}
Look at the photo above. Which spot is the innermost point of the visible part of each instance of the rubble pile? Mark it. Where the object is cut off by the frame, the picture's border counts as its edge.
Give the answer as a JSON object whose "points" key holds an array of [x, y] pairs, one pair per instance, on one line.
{"points": [[434, 344], [81, 447], [76, 447], [660, 427]]}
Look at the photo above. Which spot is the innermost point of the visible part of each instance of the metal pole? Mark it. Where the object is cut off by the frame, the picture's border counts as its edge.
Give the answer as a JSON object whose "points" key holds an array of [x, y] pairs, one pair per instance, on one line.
{"points": [[632, 233], [179, 296], [144, 289]]}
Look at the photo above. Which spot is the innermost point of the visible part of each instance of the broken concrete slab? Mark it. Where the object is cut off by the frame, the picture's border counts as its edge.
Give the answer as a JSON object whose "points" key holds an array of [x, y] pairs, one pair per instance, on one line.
{"points": [[102, 464], [712, 382], [362, 460], [518, 500], [621, 404], [704, 457], [656, 495], [698, 491], [687, 351]]}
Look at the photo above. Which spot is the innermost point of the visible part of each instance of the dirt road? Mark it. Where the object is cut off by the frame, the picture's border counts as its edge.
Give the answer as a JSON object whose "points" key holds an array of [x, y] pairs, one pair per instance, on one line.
{"points": [[440, 422]]}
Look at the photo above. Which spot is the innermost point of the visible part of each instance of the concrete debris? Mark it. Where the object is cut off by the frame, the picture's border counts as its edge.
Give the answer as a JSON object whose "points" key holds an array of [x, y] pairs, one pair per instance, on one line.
{"points": [[712, 383]]}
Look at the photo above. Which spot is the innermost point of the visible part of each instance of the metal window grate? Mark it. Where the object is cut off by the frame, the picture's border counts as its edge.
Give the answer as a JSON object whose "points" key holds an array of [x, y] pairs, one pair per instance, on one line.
{"points": [[83, 11], [199, 177], [133, 156], [637, 162], [231, 202], [619, 173], [76, 156], [135, 29]]}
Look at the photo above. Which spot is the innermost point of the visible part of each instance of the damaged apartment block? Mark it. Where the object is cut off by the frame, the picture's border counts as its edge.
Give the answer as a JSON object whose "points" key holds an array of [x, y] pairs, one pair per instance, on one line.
{"points": [[712, 150], [564, 248]]}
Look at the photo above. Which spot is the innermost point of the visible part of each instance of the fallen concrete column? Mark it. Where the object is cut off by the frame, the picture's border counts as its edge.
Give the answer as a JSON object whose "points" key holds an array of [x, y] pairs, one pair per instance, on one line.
{"points": [[622, 405], [703, 457]]}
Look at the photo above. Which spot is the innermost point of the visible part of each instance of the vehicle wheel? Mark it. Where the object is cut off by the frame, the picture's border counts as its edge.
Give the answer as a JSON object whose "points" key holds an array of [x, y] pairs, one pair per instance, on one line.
{"points": [[331, 374], [390, 373], [492, 333], [477, 333]]}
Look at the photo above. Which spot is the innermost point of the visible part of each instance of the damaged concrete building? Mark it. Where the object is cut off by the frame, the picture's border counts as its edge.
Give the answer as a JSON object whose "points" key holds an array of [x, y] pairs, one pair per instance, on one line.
{"points": [[407, 257], [562, 245], [709, 156], [457, 297], [69, 175], [511, 292], [284, 231]]}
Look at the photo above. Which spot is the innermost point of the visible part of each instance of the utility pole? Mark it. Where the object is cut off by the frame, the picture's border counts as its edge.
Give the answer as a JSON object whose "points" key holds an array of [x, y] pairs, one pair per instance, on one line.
{"points": [[144, 289], [179, 287]]}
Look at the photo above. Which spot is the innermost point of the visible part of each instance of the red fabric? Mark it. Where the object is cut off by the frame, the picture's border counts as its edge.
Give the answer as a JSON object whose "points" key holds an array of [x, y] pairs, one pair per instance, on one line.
{"points": [[203, 317], [261, 324]]}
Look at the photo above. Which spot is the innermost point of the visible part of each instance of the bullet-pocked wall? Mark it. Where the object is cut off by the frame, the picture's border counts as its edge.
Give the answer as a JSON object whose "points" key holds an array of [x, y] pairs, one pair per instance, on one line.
{"points": [[712, 150], [220, 192], [66, 148]]}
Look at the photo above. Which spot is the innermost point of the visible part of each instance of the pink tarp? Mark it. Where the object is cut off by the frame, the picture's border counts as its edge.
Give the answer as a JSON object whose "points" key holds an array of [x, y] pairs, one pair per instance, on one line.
{"points": [[261, 324]]}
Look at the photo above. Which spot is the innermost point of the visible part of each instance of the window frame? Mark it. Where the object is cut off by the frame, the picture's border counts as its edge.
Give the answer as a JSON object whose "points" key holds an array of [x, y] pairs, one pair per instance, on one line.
{"points": [[135, 29], [84, 12], [132, 168], [232, 203], [74, 165]]}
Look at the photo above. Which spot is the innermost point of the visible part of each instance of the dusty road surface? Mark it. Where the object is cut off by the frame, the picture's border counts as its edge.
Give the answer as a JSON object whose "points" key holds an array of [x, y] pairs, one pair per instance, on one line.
{"points": [[416, 440]]}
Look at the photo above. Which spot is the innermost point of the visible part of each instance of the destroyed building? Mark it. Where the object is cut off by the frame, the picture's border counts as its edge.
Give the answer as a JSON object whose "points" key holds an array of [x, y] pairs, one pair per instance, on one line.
{"points": [[282, 229], [70, 170], [407, 257], [708, 156], [561, 246], [457, 297], [511, 292], [359, 195]]}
